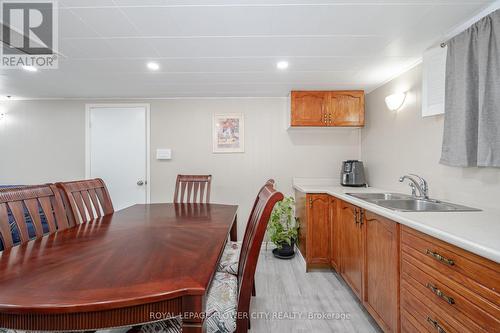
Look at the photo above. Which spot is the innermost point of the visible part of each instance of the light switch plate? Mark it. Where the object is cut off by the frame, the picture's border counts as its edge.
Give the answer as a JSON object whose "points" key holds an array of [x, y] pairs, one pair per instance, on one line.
{"points": [[164, 154]]}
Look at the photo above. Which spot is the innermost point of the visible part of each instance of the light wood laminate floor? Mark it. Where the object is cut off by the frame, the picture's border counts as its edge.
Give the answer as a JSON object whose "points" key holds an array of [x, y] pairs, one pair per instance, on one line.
{"points": [[296, 301]]}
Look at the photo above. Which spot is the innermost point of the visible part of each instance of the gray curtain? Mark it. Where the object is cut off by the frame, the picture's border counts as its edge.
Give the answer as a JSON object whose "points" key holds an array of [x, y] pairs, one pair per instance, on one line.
{"points": [[472, 98]]}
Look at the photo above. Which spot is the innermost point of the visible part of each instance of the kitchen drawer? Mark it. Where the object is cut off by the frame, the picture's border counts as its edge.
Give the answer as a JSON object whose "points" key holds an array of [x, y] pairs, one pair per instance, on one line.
{"points": [[428, 315], [458, 302], [473, 272], [410, 325]]}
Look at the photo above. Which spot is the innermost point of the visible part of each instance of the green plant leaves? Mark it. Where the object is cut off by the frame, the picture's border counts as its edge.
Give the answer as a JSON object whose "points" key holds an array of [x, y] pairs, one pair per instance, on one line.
{"points": [[283, 226]]}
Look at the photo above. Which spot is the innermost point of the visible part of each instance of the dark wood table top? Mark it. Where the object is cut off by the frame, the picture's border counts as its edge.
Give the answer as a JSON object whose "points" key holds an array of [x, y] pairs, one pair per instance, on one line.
{"points": [[142, 254]]}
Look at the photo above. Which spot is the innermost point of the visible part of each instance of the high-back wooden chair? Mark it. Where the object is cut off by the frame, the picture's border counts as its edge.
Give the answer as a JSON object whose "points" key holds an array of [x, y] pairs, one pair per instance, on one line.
{"points": [[250, 249], [250, 226], [86, 200], [29, 212], [229, 294], [192, 188]]}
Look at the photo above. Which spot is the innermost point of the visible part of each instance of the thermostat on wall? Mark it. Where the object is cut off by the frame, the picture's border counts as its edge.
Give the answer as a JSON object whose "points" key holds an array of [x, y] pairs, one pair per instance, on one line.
{"points": [[164, 154]]}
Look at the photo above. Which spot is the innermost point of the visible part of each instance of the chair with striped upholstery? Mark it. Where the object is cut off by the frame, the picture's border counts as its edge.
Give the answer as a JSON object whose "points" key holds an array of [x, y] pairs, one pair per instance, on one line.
{"points": [[29, 212]]}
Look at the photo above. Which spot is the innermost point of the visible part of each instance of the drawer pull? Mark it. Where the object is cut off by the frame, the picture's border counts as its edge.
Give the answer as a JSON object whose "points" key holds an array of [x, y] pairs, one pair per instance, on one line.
{"points": [[440, 294], [436, 325], [440, 258]]}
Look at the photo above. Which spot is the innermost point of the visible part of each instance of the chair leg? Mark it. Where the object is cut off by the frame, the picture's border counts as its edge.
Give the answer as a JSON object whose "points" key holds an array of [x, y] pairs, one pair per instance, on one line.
{"points": [[253, 289]]}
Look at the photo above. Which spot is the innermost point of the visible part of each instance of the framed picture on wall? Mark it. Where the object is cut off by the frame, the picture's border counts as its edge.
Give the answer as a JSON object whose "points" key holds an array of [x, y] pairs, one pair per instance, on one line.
{"points": [[228, 133]]}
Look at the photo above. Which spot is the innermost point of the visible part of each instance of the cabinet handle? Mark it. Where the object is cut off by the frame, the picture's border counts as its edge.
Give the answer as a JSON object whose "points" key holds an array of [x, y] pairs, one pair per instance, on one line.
{"points": [[355, 216], [310, 202], [440, 258], [436, 325], [360, 217], [440, 294]]}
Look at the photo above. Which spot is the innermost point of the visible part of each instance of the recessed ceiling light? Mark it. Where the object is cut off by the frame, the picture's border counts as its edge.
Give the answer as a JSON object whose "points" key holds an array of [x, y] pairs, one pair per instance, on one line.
{"points": [[30, 68], [282, 65], [153, 66]]}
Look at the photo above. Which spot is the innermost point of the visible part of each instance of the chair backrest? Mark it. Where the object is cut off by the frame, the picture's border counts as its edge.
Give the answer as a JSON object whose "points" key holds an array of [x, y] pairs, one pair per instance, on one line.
{"points": [[266, 199], [192, 188], [86, 200], [29, 212], [251, 223]]}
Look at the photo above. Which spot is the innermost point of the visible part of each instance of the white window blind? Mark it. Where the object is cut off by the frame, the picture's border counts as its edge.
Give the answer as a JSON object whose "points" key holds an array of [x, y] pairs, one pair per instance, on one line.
{"points": [[433, 81]]}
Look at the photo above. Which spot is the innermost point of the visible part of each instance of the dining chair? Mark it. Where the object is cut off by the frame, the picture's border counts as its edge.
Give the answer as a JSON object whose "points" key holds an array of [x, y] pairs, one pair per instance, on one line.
{"points": [[231, 256], [86, 200], [229, 296], [29, 212], [192, 188]]}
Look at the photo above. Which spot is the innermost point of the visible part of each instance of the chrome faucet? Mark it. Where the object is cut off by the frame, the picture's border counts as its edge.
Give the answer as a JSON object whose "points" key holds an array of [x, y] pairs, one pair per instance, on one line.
{"points": [[419, 184]]}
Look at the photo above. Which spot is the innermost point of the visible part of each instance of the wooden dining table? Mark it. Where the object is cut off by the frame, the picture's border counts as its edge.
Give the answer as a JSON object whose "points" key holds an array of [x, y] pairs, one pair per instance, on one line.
{"points": [[138, 265]]}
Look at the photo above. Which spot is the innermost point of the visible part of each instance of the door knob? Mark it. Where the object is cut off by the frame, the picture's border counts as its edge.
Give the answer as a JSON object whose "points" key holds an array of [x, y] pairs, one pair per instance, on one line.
{"points": [[140, 182]]}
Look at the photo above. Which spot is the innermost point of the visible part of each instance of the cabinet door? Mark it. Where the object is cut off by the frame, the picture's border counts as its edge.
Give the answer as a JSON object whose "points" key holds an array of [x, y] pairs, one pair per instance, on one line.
{"points": [[335, 234], [346, 108], [318, 229], [308, 108], [352, 248], [381, 274]]}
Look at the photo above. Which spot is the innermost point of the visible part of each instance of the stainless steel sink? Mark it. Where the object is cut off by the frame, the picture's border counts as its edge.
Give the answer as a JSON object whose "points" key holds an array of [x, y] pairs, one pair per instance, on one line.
{"points": [[379, 196], [419, 205], [406, 203]]}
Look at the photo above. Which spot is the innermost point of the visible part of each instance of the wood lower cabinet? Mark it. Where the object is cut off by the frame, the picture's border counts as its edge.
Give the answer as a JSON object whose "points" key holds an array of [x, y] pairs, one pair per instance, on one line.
{"points": [[352, 247], [335, 243], [381, 270], [313, 211], [327, 108], [408, 281], [446, 287], [318, 214]]}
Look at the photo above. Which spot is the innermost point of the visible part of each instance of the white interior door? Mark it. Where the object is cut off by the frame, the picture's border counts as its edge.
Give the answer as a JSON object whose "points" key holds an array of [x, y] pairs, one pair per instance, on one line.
{"points": [[117, 151]]}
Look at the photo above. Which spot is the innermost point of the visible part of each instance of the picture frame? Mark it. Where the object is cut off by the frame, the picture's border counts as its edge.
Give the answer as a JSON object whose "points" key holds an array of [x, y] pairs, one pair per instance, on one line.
{"points": [[228, 133]]}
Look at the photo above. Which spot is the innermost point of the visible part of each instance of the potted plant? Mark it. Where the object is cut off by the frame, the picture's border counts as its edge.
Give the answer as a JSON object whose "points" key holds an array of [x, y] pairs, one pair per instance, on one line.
{"points": [[283, 228]]}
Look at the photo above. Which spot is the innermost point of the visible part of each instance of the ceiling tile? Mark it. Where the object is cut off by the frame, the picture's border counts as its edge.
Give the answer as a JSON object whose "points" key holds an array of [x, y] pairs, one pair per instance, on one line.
{"points": [[107, 22]]}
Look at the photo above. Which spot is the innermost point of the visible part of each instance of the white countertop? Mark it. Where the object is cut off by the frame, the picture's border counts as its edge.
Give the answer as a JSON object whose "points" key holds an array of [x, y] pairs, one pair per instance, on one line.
{"points": [[477, 232]]}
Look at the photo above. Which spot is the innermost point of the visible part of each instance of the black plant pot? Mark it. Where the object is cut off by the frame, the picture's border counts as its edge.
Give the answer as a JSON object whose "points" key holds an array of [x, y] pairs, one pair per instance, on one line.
{"points": [[286, 251]]}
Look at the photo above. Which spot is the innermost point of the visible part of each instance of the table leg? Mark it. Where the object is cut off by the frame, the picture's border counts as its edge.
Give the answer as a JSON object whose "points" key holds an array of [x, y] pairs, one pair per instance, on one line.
{"points": [[233, 235], [192, 314]]}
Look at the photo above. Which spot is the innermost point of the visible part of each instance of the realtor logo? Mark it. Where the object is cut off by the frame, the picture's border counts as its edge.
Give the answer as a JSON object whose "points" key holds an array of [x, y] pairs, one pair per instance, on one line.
{"points": [[29, 34]]}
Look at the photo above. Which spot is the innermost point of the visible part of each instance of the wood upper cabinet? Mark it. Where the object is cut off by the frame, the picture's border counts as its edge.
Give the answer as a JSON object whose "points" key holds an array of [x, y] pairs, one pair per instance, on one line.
{"points": [[381, 270], [328, 108], [346, 108], [308, 108], [335, 246], [318, 230], [352, 247]]}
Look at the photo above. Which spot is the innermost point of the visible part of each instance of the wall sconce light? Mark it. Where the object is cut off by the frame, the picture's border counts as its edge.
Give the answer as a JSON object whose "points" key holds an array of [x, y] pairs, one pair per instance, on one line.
{"points": [[395, 101]]}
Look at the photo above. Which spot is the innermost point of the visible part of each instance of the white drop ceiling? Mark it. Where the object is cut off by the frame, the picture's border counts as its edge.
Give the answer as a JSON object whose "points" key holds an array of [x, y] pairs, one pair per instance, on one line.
{"points": [[231, 47]]}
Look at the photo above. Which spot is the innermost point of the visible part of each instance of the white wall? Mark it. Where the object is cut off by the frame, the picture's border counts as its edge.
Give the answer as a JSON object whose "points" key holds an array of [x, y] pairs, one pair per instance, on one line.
{"points": [[41, 141], [38, 152], [397, 143]]}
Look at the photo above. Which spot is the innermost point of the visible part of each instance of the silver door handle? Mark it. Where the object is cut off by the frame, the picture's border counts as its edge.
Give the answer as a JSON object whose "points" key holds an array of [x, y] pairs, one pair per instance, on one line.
{"points": [[140, 182]]}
